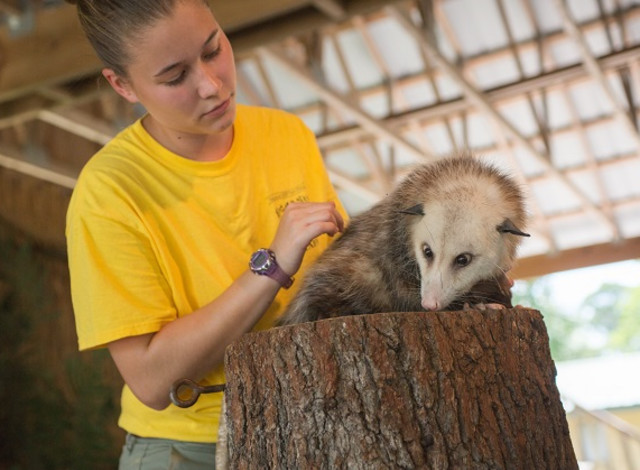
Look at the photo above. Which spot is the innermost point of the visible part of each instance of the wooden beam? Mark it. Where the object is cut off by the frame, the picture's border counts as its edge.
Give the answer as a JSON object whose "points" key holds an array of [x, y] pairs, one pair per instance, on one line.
{"points": [[79, 123], [479, 99], [294, 23], [595, 69], [57, 50], [54, 52], [577, 258], [238, 14], [334, 9], [52, 175], [441, 110], [345, 104]]}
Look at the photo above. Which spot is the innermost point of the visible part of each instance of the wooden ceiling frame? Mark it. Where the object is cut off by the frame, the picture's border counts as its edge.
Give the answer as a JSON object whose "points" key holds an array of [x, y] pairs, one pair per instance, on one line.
{"points": [[52, 97]]}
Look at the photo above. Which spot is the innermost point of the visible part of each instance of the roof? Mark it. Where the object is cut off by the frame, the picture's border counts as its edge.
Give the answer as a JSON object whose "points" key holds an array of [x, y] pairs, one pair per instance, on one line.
{"points": [[546, 89]]}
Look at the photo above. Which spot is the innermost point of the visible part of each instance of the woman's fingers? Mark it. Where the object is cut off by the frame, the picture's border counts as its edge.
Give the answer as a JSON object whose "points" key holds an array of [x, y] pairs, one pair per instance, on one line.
{"points": [[299, 225]]}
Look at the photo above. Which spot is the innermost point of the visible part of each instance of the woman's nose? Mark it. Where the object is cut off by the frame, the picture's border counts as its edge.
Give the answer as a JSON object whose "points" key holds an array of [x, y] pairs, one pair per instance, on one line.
{"points": [[208, 81]]}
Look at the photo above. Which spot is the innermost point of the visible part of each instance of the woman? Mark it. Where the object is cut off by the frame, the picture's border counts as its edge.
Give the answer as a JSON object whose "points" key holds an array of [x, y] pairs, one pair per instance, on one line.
{"points": [[165, 219]]}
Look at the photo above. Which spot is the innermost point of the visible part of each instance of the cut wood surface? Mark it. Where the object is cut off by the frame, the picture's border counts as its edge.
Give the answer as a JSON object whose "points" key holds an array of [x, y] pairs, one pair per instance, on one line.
{"points": [[438, 390]]}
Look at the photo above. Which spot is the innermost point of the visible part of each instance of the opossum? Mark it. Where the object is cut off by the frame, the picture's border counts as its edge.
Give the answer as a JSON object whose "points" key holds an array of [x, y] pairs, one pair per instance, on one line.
{"points": [[445, 237]]}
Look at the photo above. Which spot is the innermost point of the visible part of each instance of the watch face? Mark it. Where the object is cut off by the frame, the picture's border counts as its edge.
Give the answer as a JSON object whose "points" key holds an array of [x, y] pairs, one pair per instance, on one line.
{"points": [[259, 259]]}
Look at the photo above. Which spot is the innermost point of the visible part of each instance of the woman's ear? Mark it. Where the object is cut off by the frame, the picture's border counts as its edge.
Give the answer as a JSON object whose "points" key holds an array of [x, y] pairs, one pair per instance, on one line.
{"points": [[120, 85]]}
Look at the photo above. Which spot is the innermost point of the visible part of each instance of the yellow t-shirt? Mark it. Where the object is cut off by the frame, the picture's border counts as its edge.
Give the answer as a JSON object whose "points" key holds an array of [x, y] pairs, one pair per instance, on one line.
{"points": [[153, 236]]}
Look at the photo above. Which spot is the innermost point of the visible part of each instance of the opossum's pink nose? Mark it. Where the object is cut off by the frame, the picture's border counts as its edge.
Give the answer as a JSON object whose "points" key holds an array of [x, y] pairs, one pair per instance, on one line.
{"points": [[430, 304]]}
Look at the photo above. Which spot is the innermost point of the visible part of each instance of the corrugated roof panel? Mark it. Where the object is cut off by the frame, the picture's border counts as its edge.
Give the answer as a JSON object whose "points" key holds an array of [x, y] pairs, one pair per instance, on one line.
{"points": [[546, 15], [314, 120], [583, 10], [588, 184], [401, 159], [476, 24], [609, 139], [447, 87], [558, 112], [496, 72], [347, 161], [362, 67], [398, 49], [622, 179], [633, 28], [479, 130], [519, 22], [418, 93], [530, 60], [533, 245], [628, 216], [597, 40], [458, 128], [290, 92], [334, 74], [567, 150], [250, 70], [564, 53], [529, 165], [376, 105], [519, 114], [438, 138], [554, 197], [589, 100], [579, 230]]}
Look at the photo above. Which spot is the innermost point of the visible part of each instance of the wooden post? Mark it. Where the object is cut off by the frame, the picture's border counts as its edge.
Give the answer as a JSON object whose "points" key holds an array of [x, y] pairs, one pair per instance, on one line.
{"points": [[446, 390]]}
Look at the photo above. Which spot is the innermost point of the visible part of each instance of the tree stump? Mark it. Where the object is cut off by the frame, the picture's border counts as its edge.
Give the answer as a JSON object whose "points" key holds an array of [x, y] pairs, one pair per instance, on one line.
{"points": [[435, 390]]}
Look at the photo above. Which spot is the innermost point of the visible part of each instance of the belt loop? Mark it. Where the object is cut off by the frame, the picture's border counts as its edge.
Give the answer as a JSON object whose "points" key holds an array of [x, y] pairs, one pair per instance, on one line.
{"points": [[130, 441]]}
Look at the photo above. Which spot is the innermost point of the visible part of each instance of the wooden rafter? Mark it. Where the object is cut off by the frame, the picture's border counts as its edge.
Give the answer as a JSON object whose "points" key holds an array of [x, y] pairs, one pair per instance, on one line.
{"points": [[482, 103], [596, 71], [343, 103]]}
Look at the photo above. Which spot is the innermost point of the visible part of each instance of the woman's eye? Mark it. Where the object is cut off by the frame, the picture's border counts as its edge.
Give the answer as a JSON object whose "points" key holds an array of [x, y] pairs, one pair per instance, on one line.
{"points": [[211, 55], [426, 250], [463, 260], [178, 80]]}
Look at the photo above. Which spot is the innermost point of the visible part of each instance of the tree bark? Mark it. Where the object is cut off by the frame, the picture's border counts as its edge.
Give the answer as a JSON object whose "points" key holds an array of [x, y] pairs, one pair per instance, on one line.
{"points": [[437, 390]]}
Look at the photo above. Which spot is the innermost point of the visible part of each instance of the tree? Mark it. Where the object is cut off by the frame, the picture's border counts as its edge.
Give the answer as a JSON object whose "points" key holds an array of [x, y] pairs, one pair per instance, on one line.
{"points": [[608, 320], [432, 390], [560, 327]]}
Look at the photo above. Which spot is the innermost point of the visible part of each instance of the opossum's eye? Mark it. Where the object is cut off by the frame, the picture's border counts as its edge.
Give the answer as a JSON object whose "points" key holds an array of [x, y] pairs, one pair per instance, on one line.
{"points": [[426, 250], [463, 260]]}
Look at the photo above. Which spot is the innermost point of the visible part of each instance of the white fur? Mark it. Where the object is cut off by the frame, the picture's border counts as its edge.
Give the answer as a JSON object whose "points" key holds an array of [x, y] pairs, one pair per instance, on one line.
{"points": [[453, 226]]}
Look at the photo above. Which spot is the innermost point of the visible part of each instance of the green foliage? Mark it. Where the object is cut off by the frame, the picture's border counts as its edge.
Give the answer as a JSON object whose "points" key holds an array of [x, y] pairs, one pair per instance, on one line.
{"points": [[607, 321], [52, 417]]}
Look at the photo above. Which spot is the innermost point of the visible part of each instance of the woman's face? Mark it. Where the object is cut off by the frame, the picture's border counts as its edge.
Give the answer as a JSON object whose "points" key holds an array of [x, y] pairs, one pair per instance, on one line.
{"points": [[182, 71]]}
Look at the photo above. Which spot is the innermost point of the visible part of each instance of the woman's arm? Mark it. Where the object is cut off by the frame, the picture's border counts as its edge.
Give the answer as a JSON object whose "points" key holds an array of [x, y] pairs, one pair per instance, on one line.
{"points": [[193, 345]]}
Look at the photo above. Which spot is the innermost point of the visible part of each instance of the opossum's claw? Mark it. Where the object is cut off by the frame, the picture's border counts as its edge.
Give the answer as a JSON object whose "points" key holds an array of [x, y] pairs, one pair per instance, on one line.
{"points": [[483, 306], [494, 307]]}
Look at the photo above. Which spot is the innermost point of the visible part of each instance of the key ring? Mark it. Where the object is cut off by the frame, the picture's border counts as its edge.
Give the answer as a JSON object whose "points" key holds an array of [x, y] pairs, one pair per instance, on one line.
{"points": [[185, 392]]}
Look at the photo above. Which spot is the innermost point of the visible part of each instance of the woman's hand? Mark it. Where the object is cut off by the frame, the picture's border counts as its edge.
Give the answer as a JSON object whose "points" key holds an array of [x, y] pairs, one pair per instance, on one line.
{"points": [[301, 222]]}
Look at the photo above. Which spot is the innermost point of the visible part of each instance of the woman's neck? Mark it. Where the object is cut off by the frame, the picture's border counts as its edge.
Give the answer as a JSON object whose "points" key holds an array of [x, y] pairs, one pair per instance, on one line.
{"points": [[197, 147]]}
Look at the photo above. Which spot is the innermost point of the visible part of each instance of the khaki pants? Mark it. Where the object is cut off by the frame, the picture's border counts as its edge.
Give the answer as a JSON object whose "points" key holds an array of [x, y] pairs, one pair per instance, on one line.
{"points": [[141, 453]]}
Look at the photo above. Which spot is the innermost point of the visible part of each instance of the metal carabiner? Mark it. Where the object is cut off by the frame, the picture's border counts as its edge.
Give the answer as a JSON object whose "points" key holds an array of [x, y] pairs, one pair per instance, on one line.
{"points": [[185, 392]]}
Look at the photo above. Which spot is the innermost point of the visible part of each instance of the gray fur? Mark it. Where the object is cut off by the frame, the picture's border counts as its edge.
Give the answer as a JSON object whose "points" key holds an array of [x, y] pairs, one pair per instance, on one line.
{"points": [[372, 267]]}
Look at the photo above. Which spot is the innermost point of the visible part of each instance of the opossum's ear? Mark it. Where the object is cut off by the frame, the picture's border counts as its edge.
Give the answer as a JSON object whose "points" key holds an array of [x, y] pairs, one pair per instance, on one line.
{"points": [[413, 210], [508, 227]]}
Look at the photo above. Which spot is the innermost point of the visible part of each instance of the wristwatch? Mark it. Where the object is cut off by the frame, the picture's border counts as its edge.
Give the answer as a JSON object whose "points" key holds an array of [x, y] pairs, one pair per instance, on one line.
{"points": [[264, 262]]}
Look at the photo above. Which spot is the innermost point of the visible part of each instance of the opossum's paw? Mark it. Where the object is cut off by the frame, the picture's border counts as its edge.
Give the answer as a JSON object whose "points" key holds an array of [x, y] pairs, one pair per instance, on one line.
{"points": [[483, 306]]}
